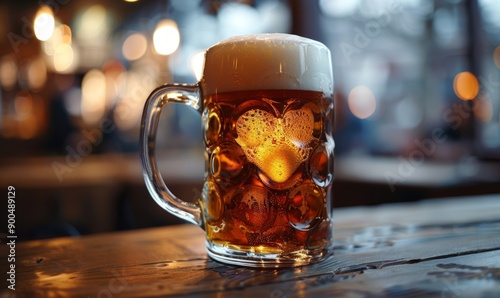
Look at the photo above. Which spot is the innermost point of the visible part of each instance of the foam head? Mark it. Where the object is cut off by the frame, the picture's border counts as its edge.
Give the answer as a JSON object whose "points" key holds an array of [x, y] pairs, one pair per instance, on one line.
{"points": [[267, 61]]}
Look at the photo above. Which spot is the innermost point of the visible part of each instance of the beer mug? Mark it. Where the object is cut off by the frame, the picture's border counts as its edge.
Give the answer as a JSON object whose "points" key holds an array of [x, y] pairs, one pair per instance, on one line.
{"points": [[267, 109]]}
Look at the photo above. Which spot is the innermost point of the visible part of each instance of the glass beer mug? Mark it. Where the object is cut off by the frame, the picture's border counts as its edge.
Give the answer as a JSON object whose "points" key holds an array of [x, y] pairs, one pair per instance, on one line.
{"points": [[267, 109]]}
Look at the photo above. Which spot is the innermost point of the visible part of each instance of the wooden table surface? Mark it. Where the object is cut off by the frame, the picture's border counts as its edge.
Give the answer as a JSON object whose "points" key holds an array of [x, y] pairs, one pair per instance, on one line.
{"points": [[434, 248]]}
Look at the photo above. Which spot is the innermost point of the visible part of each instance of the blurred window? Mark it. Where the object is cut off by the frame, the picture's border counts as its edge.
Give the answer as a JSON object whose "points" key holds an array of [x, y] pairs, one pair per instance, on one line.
{"points": [[430, 69]]}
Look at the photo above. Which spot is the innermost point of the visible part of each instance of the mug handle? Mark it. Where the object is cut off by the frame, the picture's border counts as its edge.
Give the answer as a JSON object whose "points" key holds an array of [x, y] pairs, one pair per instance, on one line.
{"points": [[169, 93]]}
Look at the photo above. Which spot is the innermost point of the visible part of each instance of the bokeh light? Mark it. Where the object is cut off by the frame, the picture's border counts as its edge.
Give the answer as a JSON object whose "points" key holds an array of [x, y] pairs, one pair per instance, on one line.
{"points": [[466, 85], [166, 38], [127, 110], [44, 23], [362, 102], [49, 45], [134, 46], [483, 109], [136, 84], [93, 96], [113, 71], [37, 74], [93, 25], [64, 58], [23, 104], [66, 35], [8, 72], [26, 122]]}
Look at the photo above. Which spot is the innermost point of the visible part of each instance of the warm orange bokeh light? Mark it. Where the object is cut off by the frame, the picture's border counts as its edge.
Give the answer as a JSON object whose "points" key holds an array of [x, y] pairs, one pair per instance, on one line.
{"points": [[466, 85], [483, 109]]}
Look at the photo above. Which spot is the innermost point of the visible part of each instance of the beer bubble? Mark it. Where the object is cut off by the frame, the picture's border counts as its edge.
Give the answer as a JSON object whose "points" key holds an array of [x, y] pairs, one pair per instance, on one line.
{"points": [[251, 119], [318, 80], [215, 206], [299, 125], [305, 203], [251, 104], [227, 164], [252, 207], [321, 165], [275, 62], [212, 123], [288, 79]]}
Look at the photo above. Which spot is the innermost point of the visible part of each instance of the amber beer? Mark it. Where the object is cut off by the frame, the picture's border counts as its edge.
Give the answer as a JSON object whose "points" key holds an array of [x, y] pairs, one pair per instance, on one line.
{"points": [[267, 115], [269, 150]]}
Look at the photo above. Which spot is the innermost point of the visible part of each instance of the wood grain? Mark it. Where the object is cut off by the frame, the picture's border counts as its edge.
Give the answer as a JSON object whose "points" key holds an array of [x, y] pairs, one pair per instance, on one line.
{"points": [[444, 248]]}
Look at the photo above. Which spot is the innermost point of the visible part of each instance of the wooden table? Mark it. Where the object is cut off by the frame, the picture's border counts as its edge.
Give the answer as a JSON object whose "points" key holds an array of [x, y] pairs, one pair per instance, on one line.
{"points": [[435, 248]]}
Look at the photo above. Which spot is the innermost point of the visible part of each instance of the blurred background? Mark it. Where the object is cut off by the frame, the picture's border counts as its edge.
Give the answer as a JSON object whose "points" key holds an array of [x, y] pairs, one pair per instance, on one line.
{"points": [[417, 90]]}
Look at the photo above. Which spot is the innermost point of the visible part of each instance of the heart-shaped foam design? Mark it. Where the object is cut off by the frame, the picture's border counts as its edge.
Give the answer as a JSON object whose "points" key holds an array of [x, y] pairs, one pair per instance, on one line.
{"points": [[276, 145]]}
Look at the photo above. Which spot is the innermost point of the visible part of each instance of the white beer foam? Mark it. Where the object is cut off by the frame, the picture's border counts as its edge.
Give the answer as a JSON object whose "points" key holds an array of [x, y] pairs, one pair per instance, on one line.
{"points": [[267, 61]]}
